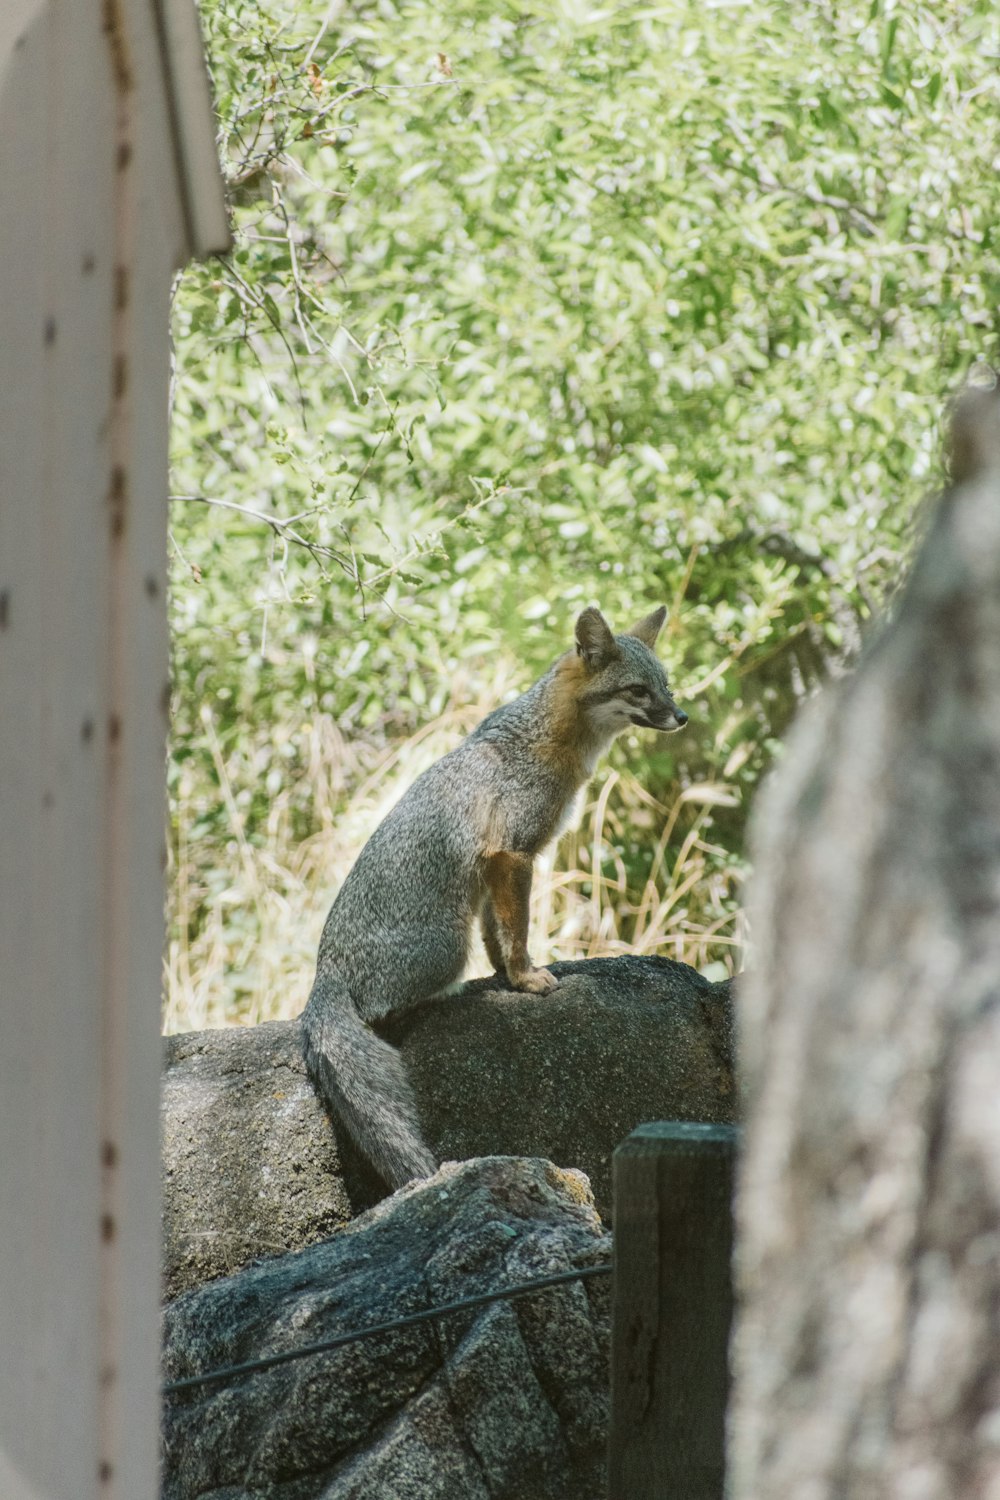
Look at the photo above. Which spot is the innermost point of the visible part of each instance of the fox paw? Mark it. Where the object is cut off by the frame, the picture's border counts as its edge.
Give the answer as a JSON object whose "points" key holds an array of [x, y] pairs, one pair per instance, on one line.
{"points": [[535, 981]]}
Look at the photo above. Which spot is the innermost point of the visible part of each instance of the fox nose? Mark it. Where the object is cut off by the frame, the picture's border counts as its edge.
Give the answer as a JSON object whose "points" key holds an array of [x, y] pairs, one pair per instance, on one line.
{"points": [[681, 717]]}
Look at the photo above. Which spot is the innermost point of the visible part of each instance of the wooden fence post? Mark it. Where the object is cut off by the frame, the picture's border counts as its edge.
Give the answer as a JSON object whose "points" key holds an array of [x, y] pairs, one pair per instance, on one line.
{"points": [[672, 1308]]}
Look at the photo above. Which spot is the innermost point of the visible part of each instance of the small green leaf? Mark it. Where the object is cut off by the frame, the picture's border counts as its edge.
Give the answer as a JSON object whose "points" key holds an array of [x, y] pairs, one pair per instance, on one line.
{"points": [[888, 42]]}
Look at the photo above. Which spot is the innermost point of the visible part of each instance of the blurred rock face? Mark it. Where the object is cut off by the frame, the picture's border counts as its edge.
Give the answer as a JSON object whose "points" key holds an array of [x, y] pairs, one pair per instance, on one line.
{"points": [[867, 1350]]}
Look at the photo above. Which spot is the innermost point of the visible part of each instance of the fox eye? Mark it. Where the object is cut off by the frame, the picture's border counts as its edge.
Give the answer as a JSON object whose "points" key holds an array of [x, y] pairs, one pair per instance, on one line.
{"points": [[636, 690]]}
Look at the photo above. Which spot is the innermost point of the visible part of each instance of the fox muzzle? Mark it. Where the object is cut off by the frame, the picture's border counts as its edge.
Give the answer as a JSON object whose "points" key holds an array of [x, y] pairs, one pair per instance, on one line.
{"points": [[675, 720]]}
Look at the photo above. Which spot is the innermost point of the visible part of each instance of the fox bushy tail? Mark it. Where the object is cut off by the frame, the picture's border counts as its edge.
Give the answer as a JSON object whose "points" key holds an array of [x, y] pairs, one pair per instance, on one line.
{"points": [[363, 1080]]}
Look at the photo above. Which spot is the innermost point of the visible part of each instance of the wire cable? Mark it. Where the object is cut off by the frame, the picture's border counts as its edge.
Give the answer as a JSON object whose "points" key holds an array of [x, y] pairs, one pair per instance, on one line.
{"points": [[520, 1289]]}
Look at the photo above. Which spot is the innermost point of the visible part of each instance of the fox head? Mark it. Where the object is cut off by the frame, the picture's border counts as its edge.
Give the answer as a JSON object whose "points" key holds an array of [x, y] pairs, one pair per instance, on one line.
{"points": [[622, 681]]}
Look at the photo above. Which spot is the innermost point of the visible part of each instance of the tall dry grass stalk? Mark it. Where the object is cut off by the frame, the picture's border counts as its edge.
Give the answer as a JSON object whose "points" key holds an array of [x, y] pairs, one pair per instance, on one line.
{"points": [[253, 952]]}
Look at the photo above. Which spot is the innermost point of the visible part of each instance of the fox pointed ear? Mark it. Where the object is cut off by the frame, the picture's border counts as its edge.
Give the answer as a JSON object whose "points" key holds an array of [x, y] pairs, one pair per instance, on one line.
{"points": [[648, 629], [594, 641]]}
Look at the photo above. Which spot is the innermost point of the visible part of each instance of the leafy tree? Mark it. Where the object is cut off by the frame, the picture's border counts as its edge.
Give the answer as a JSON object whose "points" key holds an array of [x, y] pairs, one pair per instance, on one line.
{"points": [[550, 304]]}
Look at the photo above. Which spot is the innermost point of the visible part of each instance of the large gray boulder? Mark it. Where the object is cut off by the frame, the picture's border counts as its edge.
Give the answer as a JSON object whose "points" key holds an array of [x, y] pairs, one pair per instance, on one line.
{"points": [[503, 1402], [252, 1166]]}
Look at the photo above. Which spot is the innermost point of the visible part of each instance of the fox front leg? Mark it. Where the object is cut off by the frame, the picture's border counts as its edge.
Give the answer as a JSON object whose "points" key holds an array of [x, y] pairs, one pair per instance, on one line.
{"points": [[505, 922], [491, 937]]}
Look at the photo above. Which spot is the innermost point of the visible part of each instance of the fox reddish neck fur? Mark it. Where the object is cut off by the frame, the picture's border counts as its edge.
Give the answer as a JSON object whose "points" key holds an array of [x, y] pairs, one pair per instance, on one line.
{"points": [[459, 846], [569, 742]]}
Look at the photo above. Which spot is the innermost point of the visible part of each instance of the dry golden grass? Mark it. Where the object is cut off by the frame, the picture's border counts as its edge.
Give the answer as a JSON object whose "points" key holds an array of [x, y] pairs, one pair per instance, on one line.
{"points": [[253, 956]]}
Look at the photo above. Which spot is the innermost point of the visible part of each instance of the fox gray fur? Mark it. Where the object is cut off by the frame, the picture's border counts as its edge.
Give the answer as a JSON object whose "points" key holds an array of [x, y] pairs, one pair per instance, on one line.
{"points": [[457, 846]]}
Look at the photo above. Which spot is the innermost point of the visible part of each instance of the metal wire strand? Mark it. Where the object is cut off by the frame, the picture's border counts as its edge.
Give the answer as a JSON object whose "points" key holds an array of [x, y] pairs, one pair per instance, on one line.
{"points": [[520, 1289]]}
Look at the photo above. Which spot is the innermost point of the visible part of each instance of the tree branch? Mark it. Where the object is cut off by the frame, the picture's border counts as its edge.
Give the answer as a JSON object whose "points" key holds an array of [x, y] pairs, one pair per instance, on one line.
{"points": [[284, 529]]}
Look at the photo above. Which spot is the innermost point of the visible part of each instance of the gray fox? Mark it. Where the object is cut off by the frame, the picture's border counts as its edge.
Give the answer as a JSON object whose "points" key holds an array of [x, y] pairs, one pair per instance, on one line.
{"points": [[460, 844]]}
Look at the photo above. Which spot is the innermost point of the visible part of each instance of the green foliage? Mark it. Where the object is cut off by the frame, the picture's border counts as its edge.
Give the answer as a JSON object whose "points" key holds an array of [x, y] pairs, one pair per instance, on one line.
{"points": [[536, 305]]}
